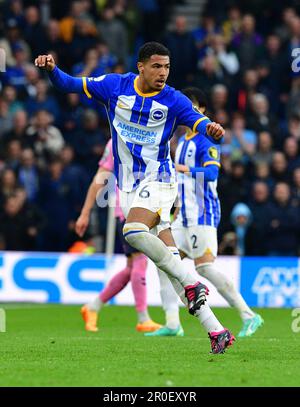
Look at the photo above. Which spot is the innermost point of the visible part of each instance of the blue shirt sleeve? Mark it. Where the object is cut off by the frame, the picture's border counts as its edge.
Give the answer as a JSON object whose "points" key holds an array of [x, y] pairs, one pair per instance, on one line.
{"points": [[188, 115], [211, 173], [98, 87], [207, 160], [210, 153], [101, 87]]}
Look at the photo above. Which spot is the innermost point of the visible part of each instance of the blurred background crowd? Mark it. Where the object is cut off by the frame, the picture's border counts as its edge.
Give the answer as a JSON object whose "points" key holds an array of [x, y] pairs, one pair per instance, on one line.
{"points": [[238, 52]]}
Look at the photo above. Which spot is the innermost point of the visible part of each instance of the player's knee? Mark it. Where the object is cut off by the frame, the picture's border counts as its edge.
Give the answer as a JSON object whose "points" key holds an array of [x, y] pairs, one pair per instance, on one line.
{"points": [[133, 231]]}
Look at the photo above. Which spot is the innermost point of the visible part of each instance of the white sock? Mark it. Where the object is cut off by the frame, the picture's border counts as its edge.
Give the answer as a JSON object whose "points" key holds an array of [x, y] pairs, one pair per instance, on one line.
{"points": [[169, 299], [138, 236], [208, 319], [96, 304], [143, 316], [226, 288]]}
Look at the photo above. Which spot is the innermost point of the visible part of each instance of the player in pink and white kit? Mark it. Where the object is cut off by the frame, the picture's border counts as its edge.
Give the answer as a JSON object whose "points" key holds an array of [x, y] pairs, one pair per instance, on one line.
{"points": [[135, 270]]}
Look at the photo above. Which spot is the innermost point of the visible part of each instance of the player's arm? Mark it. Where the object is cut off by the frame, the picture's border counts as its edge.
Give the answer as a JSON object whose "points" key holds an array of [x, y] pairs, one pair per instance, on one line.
{"points": [[210, 172], [91, 87], [95, 188], [210, 163], [188, 115]]}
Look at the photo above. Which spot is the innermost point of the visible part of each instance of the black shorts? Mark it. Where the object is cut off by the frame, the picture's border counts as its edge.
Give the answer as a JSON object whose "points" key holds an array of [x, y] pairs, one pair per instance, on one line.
{"points": [[127, 249]]}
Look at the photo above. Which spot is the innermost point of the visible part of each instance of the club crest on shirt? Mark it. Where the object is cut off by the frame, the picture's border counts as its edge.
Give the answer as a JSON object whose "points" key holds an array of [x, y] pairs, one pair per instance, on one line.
{"points": [[213, 153], [157, 114]]}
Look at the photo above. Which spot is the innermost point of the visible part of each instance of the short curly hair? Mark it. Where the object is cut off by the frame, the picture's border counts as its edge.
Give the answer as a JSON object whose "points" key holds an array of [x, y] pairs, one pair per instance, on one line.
{"points": [[152, 48]]}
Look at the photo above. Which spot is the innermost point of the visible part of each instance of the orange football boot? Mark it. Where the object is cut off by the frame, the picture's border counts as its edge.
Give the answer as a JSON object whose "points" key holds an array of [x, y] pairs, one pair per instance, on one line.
{"points": [[148, 326], [90, 319]]}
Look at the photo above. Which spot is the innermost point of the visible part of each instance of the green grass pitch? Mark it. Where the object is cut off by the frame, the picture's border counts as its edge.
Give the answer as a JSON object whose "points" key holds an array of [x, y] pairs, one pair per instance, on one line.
{"points": [[46, 345]]}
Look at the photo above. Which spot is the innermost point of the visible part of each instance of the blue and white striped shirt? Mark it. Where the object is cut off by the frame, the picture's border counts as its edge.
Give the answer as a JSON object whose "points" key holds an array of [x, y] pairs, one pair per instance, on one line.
{"points": [[199, 202], [141, 124]]}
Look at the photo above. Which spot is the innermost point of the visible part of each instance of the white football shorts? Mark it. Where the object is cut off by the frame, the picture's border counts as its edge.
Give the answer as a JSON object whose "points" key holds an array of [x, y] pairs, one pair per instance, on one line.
{"points": [[157, 197], [195, 241]]}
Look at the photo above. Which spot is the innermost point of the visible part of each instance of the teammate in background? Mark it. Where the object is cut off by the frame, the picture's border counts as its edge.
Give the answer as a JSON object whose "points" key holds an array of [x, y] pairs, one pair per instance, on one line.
{"points": [[143, 113], [135, 270], [195, 227]]}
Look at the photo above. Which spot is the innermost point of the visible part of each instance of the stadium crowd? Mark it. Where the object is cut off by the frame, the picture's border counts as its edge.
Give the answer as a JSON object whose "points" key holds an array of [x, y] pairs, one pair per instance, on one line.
{"points": [[240, 55]]}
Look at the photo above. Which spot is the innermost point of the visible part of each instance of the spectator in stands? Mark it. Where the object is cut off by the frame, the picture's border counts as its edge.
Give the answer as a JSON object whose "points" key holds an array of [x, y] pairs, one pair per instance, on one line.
{"points": [[294, 127], [275, 81], [219, 98], [292, 106], [32, 78], [89, 141], [296, 187], [9, 94], [43, 101], [262, 172], [184, 55], [15, 11], [75, 174], [18, 131], [8, 185], [232, 26], [264, 151], [71, 116], [261, 119], [44, 138], [85, 37], [209, 74], [283, 224], [114, 33], [243, 141], [203, 34], [13, 154], [291, 151], [279, 167], [248, 43], [6, 121], [226, 59], [28, 174], [241, 218], [15, 75], [53, 40], [56, 199], [259, 206], [243, 92], [235, 181], [13, 226], [34, 33]]}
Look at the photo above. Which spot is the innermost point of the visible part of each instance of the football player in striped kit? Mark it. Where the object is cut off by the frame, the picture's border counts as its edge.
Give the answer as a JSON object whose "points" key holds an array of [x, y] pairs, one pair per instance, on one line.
{"points": [[143, 112]]}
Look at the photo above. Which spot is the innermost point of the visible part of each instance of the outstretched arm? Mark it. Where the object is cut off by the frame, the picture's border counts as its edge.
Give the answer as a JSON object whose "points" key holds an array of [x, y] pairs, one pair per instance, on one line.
{"points": [[61, 80]]}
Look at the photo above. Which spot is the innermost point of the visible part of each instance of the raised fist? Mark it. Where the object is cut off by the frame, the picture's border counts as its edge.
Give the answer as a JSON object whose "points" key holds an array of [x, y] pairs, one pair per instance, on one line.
{"points": [[45, 61]]}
